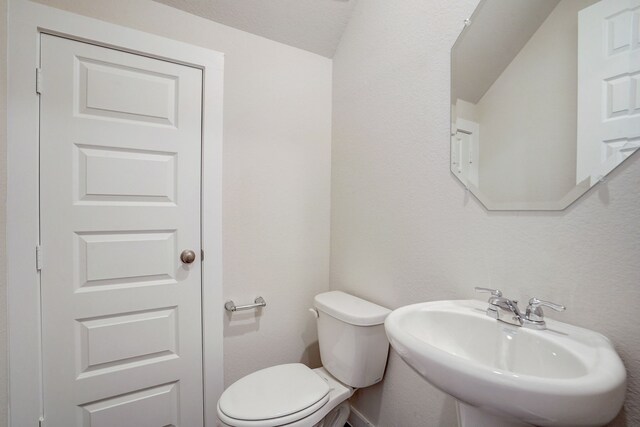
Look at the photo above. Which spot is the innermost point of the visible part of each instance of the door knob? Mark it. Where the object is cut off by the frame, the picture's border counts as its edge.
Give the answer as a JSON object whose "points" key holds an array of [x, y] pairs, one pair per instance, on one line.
{"points": [[187, 256]]}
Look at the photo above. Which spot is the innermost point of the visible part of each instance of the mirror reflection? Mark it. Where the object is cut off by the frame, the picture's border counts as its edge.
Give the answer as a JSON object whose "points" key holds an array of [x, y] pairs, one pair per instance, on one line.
{"points": [[545, 99]]}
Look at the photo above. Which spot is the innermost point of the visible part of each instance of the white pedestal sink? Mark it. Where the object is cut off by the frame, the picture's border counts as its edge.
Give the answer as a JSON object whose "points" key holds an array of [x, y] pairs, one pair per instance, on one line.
{"points": [[507, 376]]}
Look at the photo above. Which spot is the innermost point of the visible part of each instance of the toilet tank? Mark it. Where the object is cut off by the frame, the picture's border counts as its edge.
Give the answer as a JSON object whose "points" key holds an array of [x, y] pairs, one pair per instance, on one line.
{"points": [[351, 336]]}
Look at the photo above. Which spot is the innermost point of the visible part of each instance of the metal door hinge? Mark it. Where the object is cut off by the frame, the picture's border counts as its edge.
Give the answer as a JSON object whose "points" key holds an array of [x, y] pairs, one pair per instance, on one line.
{"points": [[39, 80], [201, 254], [38, 257]]}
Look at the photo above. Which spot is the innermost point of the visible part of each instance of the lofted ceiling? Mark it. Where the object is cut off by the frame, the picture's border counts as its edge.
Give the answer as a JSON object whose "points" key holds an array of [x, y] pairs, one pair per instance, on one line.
{"points": [[499, 30], [313, 25]]}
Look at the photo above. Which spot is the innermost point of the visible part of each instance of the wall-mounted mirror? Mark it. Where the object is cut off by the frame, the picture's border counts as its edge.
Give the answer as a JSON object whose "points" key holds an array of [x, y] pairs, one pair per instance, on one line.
{"points": [[545, 99]]}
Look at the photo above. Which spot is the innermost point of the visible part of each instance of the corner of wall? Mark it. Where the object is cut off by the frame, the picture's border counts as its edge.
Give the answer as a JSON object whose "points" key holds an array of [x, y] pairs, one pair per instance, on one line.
{"points": [[3, 198]]}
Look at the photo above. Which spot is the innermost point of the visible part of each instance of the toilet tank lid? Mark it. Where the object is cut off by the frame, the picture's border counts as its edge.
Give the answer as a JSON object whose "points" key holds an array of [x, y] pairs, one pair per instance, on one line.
{"points": [[350, 309]]}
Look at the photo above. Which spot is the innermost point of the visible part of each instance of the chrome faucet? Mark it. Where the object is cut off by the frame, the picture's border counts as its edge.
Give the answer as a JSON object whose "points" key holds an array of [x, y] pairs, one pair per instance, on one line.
{"points": [[499, 306], [509, 306], [507, 310], [534, 316]]}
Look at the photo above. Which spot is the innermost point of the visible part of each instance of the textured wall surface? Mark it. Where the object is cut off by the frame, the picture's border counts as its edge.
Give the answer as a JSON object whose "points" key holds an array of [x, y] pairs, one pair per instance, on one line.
{"points": [[404, 230], [276, 182], [3, 198]]}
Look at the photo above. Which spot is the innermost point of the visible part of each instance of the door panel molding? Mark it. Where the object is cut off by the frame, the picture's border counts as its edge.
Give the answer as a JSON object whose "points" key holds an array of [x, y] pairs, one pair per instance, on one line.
{"points": [[110, 243], [26, 22]]}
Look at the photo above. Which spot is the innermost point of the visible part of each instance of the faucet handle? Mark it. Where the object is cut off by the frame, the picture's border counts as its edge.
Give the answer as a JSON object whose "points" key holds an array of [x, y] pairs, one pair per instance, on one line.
{"points": [[535, 303], [493, 292], [534, 316]]}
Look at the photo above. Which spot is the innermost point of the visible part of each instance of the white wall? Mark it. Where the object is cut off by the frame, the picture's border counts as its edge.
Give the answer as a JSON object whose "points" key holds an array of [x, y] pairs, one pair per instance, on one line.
{"points": [[404, 231], [3, 199], [464, 110], [276, 182], [538, 87]]}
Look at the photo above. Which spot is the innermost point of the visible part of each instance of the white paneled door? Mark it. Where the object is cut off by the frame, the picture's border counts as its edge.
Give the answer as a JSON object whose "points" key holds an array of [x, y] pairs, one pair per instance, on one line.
{"points": [[120, 167], [608, 86]]}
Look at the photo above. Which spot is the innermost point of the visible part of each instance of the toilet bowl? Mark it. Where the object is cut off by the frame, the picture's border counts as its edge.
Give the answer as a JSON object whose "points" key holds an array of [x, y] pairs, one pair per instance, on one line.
{"points": [[353, 349], [291, 395]]}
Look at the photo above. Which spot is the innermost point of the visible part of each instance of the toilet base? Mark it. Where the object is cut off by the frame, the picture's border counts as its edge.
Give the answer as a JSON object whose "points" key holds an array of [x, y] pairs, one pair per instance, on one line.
{"points": [[334, 410], [337, 417]]}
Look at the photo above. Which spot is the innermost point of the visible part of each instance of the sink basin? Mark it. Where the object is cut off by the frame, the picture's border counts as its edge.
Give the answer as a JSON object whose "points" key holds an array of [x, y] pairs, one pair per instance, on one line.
{"points": [[509, 375]]}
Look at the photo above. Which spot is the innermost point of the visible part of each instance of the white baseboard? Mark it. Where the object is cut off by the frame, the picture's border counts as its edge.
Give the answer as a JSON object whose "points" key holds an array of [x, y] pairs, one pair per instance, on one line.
{"points": [[356, 419]]}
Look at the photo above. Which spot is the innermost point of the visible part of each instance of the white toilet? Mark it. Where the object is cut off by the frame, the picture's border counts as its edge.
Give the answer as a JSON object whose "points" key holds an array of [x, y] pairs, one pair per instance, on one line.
{"points": [[353, 349]]}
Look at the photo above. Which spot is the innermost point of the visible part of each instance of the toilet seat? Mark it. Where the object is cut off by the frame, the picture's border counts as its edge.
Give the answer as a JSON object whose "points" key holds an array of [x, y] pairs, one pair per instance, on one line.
{"points": [[273, 396]]}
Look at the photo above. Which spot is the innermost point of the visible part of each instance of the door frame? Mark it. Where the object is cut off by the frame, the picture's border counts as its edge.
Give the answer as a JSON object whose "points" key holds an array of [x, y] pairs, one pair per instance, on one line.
{"points": [[26, 21]]}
